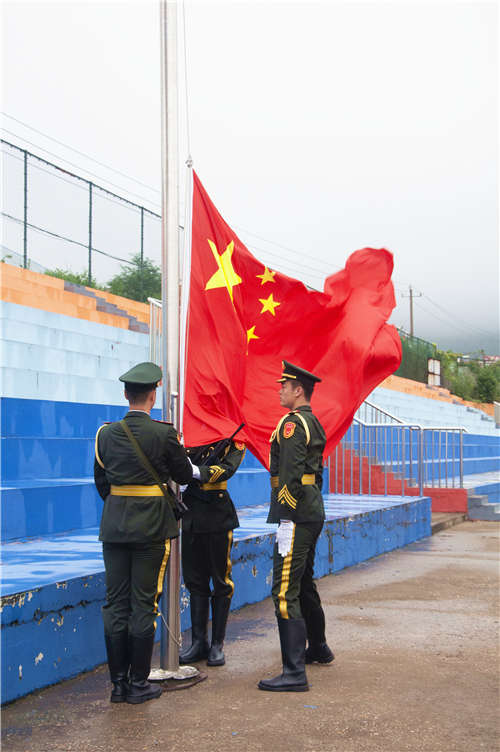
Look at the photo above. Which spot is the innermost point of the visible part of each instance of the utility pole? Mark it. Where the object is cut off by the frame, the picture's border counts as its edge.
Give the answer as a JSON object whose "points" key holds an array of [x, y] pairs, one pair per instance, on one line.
{"points": [[411, 296]]}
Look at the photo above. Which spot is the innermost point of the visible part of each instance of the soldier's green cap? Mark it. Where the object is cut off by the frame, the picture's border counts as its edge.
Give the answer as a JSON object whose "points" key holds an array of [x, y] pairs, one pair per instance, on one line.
{"points": [[143, 373], [296, 373]]}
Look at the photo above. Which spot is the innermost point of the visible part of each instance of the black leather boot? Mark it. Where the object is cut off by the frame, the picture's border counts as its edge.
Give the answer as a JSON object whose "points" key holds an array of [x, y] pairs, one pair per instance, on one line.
{"points": [[199, 631], [118, 662], [220, 612], [141, 650], [319, 653], [293, 646]]}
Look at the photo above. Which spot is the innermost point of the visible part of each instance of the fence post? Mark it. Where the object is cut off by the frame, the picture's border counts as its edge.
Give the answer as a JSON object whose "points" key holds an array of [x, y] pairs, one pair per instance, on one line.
{"points": [[90, 236], [25, 223], [403, 463], [360, 457], [142, 252], [421, 461], [461, 459]]}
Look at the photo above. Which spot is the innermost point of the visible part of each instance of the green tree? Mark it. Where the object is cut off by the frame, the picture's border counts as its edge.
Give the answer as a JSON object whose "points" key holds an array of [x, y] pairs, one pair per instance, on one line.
{"points": [[137, 282], [78, 278], [488, 384]]}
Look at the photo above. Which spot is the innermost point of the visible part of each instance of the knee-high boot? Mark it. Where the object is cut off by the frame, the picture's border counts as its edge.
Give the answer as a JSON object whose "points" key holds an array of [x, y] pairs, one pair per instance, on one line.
{"points": [[118, 663], [220, 612], [317, 649], [293, 645], [141, 650], [199, 631]]}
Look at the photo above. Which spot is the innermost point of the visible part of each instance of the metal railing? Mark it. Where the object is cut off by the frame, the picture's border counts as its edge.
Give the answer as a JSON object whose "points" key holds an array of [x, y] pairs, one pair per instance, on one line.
{"points": [[367, 412], [379, 454], [376, 458]]}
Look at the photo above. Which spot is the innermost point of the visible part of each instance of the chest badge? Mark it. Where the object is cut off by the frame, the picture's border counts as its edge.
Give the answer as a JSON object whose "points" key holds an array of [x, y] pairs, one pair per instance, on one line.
{"points": [[288, 429]]}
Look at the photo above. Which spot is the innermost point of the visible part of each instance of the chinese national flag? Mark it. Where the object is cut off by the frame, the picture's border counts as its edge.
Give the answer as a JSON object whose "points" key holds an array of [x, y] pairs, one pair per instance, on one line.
{"points": [[244, 319]]}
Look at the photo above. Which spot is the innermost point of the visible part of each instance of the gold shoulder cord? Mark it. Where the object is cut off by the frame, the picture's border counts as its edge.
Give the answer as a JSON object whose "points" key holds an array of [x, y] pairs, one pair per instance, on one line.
{"points": [[306, 427], [97, 446]]}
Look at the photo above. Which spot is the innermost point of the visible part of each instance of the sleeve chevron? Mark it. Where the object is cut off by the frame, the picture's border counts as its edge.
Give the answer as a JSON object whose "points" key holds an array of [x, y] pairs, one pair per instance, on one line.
{"points": [[285, 497]]}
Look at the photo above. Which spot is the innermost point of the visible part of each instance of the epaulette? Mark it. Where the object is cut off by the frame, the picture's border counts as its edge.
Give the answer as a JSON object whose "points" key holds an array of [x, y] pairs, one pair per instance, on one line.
{"points": [[165, 422]]}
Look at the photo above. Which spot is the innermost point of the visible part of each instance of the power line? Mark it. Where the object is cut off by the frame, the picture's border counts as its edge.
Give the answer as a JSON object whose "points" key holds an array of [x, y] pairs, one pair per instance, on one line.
{"points": [[104, 192], [66, 239], [78, 167], [303, 254], [81, 153], [459, 327], [320, 273], [449, 313]]}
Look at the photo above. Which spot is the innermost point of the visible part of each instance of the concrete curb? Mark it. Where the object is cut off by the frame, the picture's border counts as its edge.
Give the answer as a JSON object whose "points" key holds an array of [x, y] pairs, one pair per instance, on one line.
{"points": [[442, 521]]}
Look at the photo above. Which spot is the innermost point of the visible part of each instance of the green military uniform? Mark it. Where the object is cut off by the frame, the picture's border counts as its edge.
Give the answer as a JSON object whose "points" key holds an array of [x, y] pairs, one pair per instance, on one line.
{"points": [[207, 539], [136, 527], [296, 466], [296, 477]]}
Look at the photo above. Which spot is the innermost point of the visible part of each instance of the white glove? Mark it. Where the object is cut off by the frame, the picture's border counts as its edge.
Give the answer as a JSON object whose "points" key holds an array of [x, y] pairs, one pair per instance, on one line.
{"points": [[196, 471], [182, 488], [284, 535]]}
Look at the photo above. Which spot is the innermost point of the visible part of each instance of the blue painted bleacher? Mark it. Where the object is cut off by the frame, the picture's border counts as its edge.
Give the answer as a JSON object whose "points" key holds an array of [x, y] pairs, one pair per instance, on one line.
{"points": [[47, 460], [412, 408]]}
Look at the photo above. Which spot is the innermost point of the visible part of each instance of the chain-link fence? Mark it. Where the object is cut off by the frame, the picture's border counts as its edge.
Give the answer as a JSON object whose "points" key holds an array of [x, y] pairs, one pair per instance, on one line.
{"points": [[53, 218], [416, 354]]}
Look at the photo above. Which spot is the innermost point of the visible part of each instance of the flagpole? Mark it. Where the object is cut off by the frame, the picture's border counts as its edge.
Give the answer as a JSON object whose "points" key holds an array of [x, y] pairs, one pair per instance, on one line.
{"points": [[170, 632], [169, 653]]}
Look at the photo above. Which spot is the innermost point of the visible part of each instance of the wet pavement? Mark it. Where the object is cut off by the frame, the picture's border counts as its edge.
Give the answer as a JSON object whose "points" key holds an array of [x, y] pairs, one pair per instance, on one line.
{"points": [[415, 633]]}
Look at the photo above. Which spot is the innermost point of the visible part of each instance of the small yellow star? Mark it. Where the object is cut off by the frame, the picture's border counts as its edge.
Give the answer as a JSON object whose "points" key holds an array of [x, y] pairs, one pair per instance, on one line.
{"points": [[269, 304], [225, 276], [251, 334], [268, 276]]}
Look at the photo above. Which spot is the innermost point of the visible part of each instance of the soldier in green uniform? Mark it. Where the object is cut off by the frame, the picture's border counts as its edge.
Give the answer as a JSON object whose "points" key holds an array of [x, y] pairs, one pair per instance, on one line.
{"points": [[137, 524], [207, 539], [296, 467]]}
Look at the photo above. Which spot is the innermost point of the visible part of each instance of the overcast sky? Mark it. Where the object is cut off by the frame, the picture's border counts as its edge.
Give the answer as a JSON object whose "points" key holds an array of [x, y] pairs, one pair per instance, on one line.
{"points": [[321, 127]]}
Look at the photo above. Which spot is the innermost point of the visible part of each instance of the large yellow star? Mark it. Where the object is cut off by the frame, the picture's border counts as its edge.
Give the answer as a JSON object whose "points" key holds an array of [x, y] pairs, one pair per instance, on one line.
{"points": [[225, 276], [269, 304], [268, 276]]}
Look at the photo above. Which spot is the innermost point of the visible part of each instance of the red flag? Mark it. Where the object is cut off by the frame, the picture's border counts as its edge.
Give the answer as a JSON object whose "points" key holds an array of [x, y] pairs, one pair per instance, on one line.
{"points": [[244, 319]]}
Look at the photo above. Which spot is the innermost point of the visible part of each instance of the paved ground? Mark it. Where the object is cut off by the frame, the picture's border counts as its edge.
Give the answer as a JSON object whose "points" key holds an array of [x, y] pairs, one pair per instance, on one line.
{"points": [[416, 638]]}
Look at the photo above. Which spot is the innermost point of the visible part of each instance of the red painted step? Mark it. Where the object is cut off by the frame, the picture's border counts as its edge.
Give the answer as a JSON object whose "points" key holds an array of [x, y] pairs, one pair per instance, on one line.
{"points": [[443, 499]]}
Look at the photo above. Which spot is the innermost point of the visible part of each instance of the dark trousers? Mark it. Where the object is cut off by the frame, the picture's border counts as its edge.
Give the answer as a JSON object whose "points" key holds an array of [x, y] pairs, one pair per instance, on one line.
{"points": [[294, 591], [134, 583], [207, 556]]}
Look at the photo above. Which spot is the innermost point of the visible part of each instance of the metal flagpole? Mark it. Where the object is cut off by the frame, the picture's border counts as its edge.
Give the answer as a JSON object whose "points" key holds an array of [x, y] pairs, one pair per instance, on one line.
{"points": [[170, 633]]}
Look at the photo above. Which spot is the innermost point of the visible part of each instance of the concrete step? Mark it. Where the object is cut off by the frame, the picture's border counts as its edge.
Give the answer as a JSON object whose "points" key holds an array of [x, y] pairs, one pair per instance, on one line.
{"points": [[443, 520], [479, 508]]}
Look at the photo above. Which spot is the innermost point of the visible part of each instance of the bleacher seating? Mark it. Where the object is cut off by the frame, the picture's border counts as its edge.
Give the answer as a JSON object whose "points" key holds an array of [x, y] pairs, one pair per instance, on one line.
{"points": [[428, 411]]}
